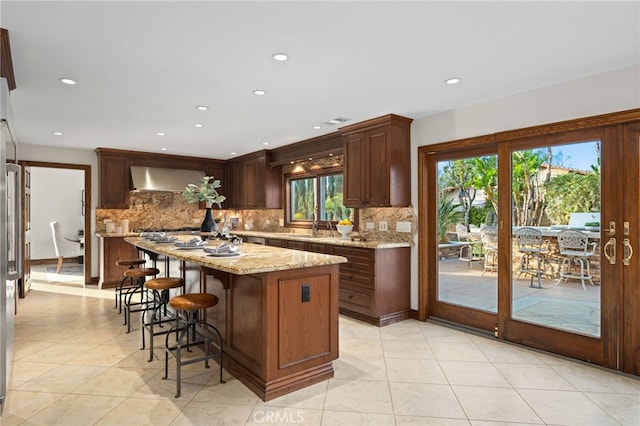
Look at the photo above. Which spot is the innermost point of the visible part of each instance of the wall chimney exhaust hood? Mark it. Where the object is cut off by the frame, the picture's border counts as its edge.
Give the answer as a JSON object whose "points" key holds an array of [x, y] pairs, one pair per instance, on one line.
{"points": [[161, 179]]}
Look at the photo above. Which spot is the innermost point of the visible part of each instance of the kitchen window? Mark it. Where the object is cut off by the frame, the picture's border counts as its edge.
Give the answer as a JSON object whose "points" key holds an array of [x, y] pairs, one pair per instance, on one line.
{"points": [[316, 194]]}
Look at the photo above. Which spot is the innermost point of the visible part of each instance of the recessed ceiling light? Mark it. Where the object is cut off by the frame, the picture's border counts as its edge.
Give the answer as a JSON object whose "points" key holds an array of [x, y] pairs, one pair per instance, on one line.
{"points": [[198, 125], [259, 92], [160, 133], [202, 108], [265, 143], [280, 57], [233, 153], [317, 127], [58, 133], [68, 81], [163, 149], [453, 80]]}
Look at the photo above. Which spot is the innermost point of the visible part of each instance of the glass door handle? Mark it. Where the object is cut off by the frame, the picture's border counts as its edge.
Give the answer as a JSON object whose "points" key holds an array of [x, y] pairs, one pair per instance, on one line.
{"points": [[628, 252], [610, 245]]}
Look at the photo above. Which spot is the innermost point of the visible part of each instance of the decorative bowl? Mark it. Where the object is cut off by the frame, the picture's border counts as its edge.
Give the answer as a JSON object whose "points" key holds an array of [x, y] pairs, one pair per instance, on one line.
{"points": [[344, 230]]}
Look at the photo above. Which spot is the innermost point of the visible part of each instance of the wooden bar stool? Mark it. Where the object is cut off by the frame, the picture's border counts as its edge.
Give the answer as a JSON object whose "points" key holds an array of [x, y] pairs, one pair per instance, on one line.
{"points": [[157, 314], [192, 332], [121, 289], [138, 275]]}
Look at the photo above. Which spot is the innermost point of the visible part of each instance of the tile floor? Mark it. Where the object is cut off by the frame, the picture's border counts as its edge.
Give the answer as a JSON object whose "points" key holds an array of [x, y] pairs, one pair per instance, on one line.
{"points": [[73, 364]]}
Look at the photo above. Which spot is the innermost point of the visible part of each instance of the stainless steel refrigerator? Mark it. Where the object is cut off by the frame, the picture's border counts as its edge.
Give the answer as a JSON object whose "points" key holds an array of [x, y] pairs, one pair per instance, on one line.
{"points": [[10, 240]]}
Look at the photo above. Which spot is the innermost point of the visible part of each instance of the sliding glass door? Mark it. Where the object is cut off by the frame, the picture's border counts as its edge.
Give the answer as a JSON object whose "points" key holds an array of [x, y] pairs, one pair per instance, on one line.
{"points": [[530, 235]]}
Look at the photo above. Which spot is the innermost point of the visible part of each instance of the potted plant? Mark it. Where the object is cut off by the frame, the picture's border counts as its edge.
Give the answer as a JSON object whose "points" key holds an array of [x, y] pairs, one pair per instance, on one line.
{"points": [[205, 191]]}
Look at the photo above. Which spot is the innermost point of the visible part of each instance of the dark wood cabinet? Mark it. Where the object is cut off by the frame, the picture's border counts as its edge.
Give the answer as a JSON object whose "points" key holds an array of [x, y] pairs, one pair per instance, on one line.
{"points": [[374, 284], [114, 182], [112, 249], [377, 162], [254, 183], [114, 176]]}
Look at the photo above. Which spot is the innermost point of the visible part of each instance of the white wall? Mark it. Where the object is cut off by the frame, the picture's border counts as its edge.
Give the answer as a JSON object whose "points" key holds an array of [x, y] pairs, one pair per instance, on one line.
{"points": [[56, 194], [85, 157], [616, 90]]}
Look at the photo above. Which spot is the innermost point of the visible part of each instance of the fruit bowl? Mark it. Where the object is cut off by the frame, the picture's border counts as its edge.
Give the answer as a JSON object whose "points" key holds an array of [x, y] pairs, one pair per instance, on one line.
{"points": [[344, 230]]}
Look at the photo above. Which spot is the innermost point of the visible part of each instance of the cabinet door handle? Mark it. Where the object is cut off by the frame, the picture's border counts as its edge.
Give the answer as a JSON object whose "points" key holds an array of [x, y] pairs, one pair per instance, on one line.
{"points": [[628, 252], [611, 244]]}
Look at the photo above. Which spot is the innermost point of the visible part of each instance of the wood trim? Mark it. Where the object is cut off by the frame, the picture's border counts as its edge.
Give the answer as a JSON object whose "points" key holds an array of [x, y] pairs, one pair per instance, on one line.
{"points": [[88, 231], [321, 146], [6, 61], [153, 156], [385, 120], [613, 118]]}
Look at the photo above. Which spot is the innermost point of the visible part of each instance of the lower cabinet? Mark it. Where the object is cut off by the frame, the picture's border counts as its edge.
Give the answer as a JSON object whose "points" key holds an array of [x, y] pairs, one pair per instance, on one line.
{"points": [[374, 283], [111, 249]]}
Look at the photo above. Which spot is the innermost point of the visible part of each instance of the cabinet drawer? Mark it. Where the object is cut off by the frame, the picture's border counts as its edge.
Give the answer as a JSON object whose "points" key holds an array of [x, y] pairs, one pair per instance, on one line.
{"points": [[357, 279], [355, 301], [295, 245], [318, 248], [357, 267], [274, 242], [354, 253]]}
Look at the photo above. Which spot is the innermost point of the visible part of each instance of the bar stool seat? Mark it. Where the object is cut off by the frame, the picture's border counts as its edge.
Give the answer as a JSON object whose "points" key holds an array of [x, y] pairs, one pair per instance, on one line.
{"points": [[121, 289], [188, 326], [157, 314], [137, 275]]}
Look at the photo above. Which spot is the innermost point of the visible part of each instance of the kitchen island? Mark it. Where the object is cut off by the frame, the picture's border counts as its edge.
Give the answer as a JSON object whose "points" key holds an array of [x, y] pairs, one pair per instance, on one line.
{"points": [[278, 311]]}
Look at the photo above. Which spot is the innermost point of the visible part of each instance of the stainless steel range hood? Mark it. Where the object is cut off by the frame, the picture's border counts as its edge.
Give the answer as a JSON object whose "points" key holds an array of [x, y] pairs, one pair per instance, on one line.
{"points": [[161, 179]]}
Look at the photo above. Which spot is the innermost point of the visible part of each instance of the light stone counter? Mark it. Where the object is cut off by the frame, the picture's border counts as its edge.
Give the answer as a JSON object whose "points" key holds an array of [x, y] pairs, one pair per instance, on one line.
{"points": [[322, 239], [254, 258]]}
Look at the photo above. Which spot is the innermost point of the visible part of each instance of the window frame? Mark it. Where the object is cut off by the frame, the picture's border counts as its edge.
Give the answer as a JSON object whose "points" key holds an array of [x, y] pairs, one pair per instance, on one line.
{"points": [[317, 174]]}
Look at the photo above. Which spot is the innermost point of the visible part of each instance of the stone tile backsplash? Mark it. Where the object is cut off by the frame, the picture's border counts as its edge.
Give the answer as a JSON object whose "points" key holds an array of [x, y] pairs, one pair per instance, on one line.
{"points": [[167, 210]]}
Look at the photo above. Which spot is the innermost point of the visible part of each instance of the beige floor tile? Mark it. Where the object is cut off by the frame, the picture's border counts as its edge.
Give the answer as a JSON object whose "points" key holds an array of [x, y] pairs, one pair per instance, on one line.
{"points": [[311, 397], [25, 348], [359, 395], [22, 372], [59, 352], [143, 412], [285, 416], [231, 392], [429, 421], [425, 400], [75, 410], [158, 388], [105, 355], [361, 347], [62, 379], [415, 370], [566, 408], [116, 382], [438, 333], [509, 353], [347, 418], [473, 374], [359, 368], [445, 351], [533, 376], [416, 349], [593, 379], [496, 404], [212, 414], [624, 408], [21, 405]]}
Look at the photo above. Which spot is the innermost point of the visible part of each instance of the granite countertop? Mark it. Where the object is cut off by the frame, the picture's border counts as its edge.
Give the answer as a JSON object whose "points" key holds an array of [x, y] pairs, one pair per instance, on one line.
{"points": [[254, 258], [322, 239], [114, 235]]}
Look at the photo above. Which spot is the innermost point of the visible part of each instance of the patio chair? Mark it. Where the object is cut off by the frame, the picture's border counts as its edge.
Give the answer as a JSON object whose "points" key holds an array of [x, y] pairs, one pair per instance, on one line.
{"points": [[533, 250], [489, 238], [575, 249], [471, 252]]}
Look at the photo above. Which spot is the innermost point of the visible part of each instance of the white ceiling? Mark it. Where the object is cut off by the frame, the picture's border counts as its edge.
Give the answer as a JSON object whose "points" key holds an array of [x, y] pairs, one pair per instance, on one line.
{"points": [[143, 67]]}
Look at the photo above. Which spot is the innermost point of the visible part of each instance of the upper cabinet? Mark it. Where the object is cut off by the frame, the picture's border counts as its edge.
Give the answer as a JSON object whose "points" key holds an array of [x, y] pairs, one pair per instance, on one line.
{"points": [[254, 183], [114, 175], [377, 162]]}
